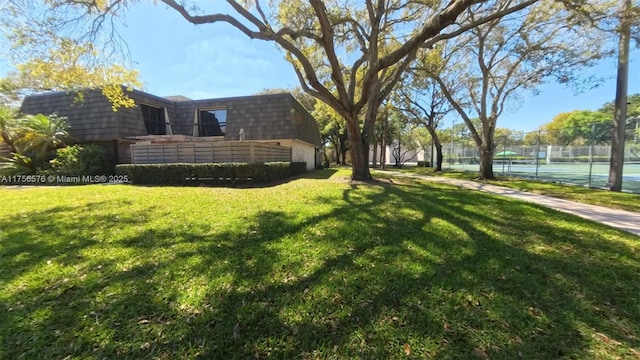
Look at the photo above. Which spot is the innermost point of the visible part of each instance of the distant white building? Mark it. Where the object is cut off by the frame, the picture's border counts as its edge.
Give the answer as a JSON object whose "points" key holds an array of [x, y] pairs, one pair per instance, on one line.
{"points": [[404, 154]]}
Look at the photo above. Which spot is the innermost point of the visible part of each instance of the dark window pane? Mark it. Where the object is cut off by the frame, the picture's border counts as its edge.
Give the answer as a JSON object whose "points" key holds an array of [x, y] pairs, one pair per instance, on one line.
{"points": [[212, 123], [153, 120]]}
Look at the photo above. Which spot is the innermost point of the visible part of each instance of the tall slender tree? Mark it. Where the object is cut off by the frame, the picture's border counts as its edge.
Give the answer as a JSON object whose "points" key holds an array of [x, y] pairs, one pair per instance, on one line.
{"points": [[622, 85], [621, 22], [422, 101], [504, 58]]}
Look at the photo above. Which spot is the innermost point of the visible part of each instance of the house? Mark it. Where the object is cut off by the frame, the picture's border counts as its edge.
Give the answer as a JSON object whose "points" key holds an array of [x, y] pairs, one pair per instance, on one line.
{"points": [[260, 128]]}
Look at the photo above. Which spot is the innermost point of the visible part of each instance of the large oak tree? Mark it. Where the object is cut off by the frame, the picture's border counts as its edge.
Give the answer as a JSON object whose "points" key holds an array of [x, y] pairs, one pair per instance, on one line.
{"points": [[349, 53]]}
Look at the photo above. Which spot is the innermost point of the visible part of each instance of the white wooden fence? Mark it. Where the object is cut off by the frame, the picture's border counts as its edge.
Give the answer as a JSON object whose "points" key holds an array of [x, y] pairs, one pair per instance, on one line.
{"points": [[208, 152]]}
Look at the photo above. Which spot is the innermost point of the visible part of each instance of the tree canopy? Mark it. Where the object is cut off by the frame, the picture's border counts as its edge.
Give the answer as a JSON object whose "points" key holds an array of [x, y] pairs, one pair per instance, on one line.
{"points": [[58, 45], [581, 126], [633, 106]]}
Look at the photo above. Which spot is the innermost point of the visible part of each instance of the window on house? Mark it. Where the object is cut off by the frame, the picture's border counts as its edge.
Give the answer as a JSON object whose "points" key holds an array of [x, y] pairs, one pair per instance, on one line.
{"points": [[154, 120], [212, 122]]}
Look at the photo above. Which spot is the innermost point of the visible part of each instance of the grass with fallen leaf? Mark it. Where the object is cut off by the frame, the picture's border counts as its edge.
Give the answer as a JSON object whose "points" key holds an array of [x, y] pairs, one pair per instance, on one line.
{"points": [[614, 200], [313, 268]]}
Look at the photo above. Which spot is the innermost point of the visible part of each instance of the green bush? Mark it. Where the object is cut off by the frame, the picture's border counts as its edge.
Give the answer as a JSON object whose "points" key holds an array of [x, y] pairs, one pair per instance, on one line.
{"points": [[66, 161], [424, 164], [81, 160], [95, 161], [209, 174], [296, 168]]}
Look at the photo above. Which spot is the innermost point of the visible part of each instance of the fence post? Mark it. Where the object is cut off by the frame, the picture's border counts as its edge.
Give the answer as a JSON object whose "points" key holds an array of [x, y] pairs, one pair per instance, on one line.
{"points": [[453, 124], [510, 158], [504, 155], [593, 140], [462, 161], [537, 154]]}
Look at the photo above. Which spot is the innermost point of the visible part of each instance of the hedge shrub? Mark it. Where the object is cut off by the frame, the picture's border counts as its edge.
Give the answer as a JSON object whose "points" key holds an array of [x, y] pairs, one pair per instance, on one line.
{"points": [[209, 174], [581, 159], [510, 157]]}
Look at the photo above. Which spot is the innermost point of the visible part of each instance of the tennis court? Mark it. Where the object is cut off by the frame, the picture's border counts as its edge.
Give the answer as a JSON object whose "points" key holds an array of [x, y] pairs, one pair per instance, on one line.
{"points": [[572, 173]]}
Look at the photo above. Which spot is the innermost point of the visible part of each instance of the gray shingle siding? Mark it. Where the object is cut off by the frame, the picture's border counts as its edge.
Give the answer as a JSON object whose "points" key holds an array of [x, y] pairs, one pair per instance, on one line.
{"points": [[90, 119], [263, 117], [307, 130]]}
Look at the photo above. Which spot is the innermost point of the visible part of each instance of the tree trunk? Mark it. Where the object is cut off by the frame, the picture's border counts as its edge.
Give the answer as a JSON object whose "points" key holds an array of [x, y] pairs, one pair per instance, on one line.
{"points": [[435, 142], [383, 147], [375, 154], [431, 154], [342, 159], [486, 163], [439, 156], [360, 161], [359, 151], [620, 112], [485, 142], [333, 156]]}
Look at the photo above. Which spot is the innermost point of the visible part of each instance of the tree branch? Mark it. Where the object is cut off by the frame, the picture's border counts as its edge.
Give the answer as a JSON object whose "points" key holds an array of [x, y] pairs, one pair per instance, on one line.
{"points": [[329, 50], [432, 41], [461, 112]]}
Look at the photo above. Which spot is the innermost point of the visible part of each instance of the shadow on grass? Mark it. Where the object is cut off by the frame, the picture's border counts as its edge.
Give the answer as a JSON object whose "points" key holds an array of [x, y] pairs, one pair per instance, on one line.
{"points": [[319, 174], [386, 272]]}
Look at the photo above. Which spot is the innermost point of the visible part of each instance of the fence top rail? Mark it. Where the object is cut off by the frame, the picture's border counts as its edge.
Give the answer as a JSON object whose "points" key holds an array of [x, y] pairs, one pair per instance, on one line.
{"points": [[175, 138], [211, 143]]}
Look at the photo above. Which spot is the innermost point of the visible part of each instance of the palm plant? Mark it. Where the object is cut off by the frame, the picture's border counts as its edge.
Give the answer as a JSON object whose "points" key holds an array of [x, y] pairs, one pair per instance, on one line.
{"points": [[8, 127], [33, 140], [42, 133]]}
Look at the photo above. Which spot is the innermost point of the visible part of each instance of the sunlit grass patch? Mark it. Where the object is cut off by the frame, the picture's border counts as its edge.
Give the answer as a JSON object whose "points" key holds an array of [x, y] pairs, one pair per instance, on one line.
{"points": [[615, 200]]}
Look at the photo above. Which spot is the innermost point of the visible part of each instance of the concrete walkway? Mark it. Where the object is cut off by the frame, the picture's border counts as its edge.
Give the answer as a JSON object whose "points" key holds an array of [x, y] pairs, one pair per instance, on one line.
{"points": [[619, 219]]}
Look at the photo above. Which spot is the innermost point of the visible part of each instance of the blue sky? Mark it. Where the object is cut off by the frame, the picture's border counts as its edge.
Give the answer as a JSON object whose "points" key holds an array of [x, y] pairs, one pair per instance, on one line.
{"points": [[216, 60]]}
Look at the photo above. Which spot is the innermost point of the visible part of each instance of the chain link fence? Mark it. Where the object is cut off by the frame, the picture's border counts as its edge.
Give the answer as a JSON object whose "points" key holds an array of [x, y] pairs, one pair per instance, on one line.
{"points": [[586, 163]]}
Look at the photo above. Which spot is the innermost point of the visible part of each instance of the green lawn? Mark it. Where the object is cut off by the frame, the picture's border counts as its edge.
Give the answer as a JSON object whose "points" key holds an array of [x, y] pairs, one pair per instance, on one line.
{"points": [[313, 268], [616, 200]]}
